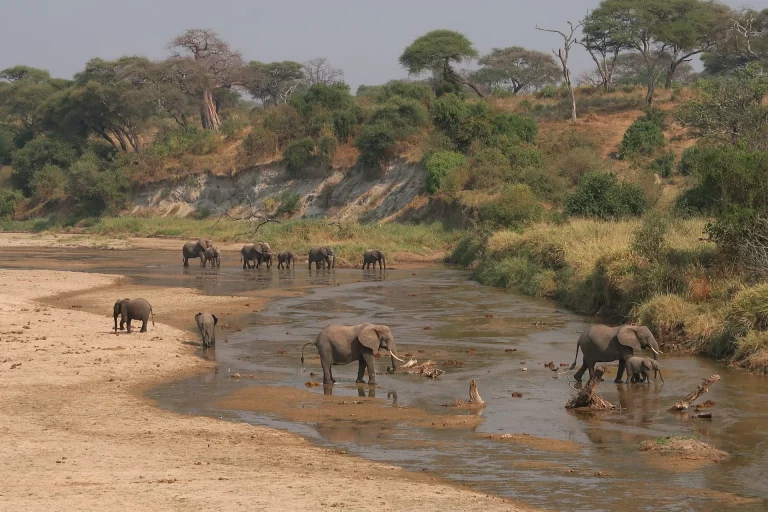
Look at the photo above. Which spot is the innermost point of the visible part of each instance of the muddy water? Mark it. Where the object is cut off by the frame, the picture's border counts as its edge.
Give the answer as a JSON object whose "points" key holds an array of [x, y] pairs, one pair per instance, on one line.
{"points": [[438, 314]]}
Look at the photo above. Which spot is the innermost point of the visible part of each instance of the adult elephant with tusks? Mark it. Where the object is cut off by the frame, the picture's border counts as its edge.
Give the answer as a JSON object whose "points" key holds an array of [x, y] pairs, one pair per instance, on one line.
{"points": [[322, 256], [133, 309], [195, 250], [342, 344], [604, 344]]}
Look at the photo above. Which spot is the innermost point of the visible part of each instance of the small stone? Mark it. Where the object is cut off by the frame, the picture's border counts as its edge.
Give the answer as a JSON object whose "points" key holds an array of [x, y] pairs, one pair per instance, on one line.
{"points": [[517, 394]]}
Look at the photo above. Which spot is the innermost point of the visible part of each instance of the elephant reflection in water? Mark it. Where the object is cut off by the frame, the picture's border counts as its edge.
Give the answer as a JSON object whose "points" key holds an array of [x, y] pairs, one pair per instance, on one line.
{"points": [[371, 392]]}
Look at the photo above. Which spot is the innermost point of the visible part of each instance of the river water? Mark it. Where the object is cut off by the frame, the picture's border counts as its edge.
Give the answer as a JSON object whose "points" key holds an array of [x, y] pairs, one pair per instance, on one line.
{"points": [[437, 313]]}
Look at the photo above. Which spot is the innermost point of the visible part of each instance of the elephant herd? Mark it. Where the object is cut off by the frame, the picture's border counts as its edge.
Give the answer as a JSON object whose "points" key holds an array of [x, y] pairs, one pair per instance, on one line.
{"points": [[253, 255]]}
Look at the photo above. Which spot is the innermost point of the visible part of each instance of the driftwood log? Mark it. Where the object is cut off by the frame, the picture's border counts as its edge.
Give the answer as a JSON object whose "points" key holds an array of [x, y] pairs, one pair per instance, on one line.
{"points": [[587, 396], [474, 402], [695, 394], [427, 369]]}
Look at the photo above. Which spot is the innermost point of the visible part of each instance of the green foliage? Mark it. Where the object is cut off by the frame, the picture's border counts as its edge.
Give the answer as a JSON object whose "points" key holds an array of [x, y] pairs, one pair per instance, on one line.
{"points": [[650, 238], [179, 141], [297, 154], [327, 147], [523, 155], [403, 114], [48, 182], [436, 51], [9, 200], [664, 164], [642, 138], [440, 164], [656, 116], [516, 206], [549, 92], [286, 123], [289, 203], [376, 142], [575, 162], [515, 69], [96, 189], [463, 122], [320, 121], [330, 97], [467, 251], [232, 127], [489, 168], [689, 161], [36, 154], [260, 142], [344, 123], [416, 91], [601, 195], [515, 127]]}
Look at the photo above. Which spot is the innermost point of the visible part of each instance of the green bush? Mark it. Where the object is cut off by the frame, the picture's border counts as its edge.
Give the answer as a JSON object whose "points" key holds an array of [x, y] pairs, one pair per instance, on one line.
{"points": [[9, 200], [260, 142], [35, 155], [403, 114], [544, 184], [601, 195], [180, 141], [650, 238], [286, 123], [549, 91], [439, 165], [642, 138], [467, 251], [320, 121], [95, 189], [463, 122], [327, 147], [515, 127], [516, 206], [420, 92], [656, 116], [574, 163], [523, 155], [297, 154], [231, 128], [48, 182], [344, 123], [689, 161], [489, 168], [330, 97], [664, 164], [376, 142], [525, 106], [289, 203]]}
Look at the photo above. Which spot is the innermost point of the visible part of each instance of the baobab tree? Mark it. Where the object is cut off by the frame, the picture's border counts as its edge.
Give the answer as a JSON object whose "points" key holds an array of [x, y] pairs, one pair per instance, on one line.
{"points": [[320, 71]]}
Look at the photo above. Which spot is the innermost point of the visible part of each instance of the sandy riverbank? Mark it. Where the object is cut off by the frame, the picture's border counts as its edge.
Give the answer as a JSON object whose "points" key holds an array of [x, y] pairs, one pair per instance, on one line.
{"points": [[76, 435]]}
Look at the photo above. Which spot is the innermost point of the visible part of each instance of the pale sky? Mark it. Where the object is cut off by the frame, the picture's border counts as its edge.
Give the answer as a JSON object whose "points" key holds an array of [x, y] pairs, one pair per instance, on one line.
{"points": [[363, 37]]}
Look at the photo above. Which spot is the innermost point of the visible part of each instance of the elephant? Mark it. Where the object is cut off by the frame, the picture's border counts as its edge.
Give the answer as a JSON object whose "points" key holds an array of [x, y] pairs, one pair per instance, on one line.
{"points": [[259, 253], [285, 259], [206, 323], [639, 369], [133, 309], [213, 255], [321, 256], [371, 256], [602, 344], [195, 250], [342, 344]]}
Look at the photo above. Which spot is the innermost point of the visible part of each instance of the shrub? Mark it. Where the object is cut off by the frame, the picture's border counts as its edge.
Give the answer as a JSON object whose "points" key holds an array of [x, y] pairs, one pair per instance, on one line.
{"points": [[439, 165], [231, 128], [642, 138], [549, 91], [489, 168], [525, 106], [689, 161], [9, 200], [285, 122], [48, 182], [574, 163], [515, 127], [420, 92], [544, 184], [327, 147], [290, 203], [656, 116], [331, 97], [96, 190], [601, 195], [650, 238], [35, 155], [463, 122], [403, 114], [467, 251], [664, 164], [516, 205], [179, 141], [523, 155], [344, 123], [297, 154], [260, 142], [376, 142], [320, 120]]}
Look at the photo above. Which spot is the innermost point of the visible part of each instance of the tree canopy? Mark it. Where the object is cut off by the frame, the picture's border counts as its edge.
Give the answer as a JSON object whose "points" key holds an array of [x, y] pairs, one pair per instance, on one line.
{"points": [[517, 69]]}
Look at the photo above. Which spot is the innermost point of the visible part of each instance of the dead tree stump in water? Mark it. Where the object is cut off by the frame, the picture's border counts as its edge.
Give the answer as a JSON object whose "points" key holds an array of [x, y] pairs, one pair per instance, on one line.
{"points": [[474, 395], [588, 396], [693, 395]]}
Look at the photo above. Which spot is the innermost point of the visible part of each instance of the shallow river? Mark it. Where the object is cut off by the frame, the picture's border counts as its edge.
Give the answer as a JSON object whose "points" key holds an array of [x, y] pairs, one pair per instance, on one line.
{"points": [[443, 314]]}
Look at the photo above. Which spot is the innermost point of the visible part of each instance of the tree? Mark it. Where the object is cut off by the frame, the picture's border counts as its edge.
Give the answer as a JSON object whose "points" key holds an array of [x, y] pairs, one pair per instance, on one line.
{"points": [[160, 87], [205, 63], [22, 91], [320, 71], [563, 53], [599, 38], [630, 69], [517, 69], [275, 81], [745, 41], [439, 51]]}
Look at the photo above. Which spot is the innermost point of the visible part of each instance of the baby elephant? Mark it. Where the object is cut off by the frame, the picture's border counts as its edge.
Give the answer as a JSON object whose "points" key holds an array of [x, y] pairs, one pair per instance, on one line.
{"points": [[213, 255], [371, 256], [285, 259], [206, 323], [133, 309], [639, 369]]}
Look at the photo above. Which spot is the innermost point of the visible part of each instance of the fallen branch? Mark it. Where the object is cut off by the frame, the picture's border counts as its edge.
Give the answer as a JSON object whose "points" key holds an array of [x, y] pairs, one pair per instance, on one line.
{"points": [[474, 402], [587, 396], [693, 395], [427, 369]]}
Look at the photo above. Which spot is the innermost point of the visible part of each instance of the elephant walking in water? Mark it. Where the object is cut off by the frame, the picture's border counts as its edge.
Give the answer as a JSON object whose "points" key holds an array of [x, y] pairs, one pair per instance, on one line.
{"points": [[322, 256], [195, 250], [342, 344], [371, 256], [213, 255], [258, 253], [603, 344], [133, 309], [206, 324], [639, 369], [285, 259]]}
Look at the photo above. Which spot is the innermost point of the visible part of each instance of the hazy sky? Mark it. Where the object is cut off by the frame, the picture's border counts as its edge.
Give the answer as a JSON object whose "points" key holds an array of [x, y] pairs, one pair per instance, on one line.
{"points": [[362, 37]]}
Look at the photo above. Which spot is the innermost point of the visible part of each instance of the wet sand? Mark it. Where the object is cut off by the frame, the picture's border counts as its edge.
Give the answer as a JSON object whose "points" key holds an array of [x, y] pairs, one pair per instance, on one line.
{"points": [[78, 435]]}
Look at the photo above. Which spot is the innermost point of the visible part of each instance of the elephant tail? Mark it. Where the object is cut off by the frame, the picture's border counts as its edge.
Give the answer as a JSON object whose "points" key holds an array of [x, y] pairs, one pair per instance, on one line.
{"points": [[302, 352], [151, 312], [578, 344]]}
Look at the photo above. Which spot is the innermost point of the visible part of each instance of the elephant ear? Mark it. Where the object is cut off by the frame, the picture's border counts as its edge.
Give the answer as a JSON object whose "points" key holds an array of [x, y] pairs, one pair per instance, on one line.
{"points": [[628, 337], [648, 364], [369, 338], [215, 320]]}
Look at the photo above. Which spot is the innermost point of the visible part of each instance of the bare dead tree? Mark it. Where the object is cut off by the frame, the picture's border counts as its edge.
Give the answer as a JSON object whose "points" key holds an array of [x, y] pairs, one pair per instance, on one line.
{"points": [[744, 24], [569, 39], [250, 213], [320, 71]]}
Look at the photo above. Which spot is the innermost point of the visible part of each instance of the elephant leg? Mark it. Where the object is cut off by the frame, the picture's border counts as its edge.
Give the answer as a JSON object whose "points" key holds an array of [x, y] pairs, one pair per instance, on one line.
{"points": [[580, 373], [369, 362], [144, 323], [186, 262], [620, 372], [360, 370], [128, 325]]}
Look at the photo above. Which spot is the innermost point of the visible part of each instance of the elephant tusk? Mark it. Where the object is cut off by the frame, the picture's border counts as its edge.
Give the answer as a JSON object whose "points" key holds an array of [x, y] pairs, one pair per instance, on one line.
{"points": [[395, 357], [658, 353]]}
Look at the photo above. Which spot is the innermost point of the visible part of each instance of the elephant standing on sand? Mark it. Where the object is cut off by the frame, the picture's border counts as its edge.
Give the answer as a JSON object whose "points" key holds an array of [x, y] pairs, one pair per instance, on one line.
{"points": [[195, 250], [603, 344], [371, 256], [213, 255], [133, 309], [258, 253], [285, 259], [639, 369], [206, 323], [342, 344], [322, 256]]}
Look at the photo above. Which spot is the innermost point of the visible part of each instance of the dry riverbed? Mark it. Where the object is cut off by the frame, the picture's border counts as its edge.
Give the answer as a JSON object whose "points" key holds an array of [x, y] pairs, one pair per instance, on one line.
{"points": [[77, 434]]}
